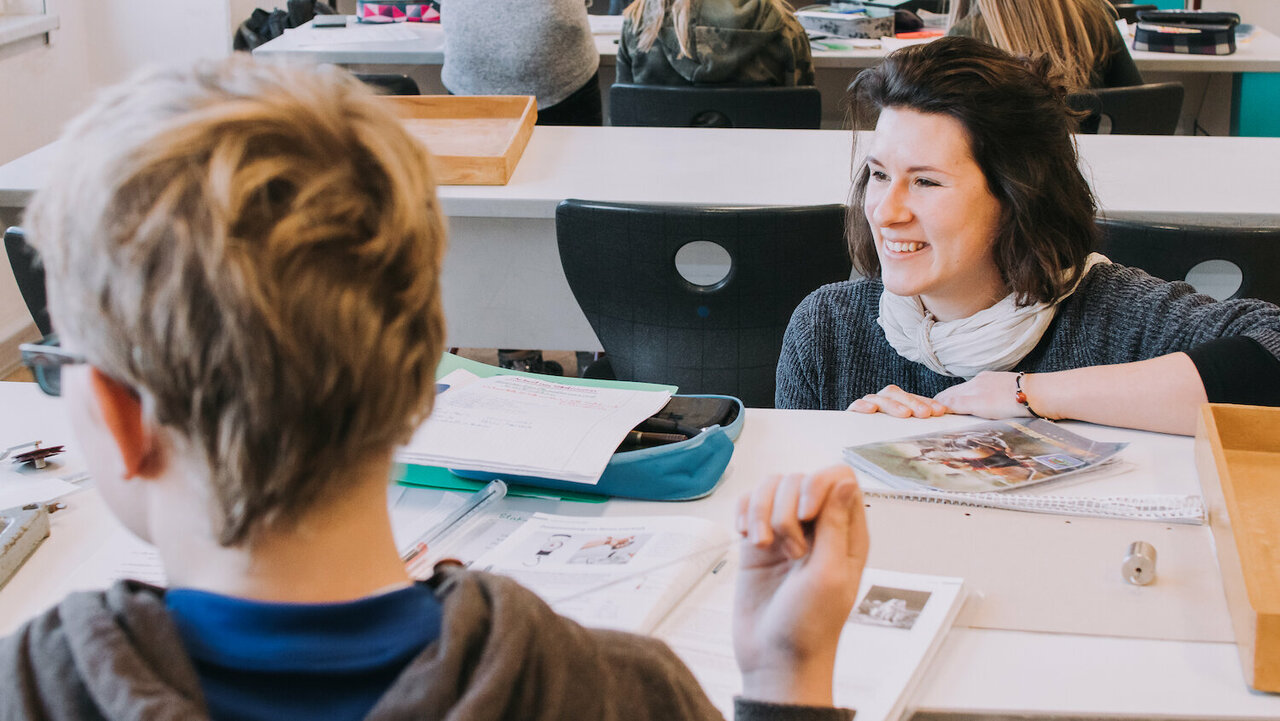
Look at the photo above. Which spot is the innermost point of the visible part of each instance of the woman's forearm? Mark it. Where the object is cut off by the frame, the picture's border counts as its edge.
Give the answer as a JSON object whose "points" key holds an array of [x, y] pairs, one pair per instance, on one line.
{"points": [[1161, 394]]}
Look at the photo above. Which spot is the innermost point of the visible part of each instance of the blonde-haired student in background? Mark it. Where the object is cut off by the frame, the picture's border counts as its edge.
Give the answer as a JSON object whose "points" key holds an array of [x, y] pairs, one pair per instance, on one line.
{"points": [[244, 267], [713, 42], [1080, 36]]}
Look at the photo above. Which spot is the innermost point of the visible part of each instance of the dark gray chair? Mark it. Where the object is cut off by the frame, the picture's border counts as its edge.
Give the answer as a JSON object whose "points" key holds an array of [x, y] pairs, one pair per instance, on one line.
{"points": [[389, 83], [1151, 109], [704, 107], [708, 334], [1170, 252], [30, 276]]}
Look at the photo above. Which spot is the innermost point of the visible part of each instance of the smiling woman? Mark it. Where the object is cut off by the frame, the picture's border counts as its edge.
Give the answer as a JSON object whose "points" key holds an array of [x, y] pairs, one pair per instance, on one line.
{"points": [[973, 226]]}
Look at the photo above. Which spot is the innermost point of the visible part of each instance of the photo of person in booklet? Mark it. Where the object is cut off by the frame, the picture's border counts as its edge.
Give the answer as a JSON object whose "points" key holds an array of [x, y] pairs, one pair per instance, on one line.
{"points": [[895, 607], [993, 456], [550, 544], [609, 549]]}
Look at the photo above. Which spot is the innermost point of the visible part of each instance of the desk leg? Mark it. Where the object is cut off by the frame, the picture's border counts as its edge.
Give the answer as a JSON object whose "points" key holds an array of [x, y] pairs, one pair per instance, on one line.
{"points": [[1210, 104]]}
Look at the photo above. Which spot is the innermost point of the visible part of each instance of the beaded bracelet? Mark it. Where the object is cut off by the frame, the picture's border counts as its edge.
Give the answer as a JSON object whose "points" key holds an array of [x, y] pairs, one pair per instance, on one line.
{"points": [[1021, 396]]}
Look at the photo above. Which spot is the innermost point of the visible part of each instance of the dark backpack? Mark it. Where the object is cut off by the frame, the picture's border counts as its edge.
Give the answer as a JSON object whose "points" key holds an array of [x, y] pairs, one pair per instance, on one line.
{"points": [[263, 26]]}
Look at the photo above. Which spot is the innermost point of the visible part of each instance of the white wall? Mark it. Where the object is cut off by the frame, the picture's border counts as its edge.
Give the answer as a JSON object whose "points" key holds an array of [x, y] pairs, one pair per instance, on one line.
{"points": [[99, 42]]}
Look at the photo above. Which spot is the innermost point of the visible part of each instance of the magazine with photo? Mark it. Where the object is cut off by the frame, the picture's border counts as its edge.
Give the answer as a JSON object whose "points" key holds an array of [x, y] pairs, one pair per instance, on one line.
{"points": [[984, 458]]}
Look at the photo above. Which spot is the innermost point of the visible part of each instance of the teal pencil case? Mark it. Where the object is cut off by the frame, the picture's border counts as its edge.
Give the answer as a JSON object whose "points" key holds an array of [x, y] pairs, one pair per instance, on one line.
{"points": [[681, 471]]}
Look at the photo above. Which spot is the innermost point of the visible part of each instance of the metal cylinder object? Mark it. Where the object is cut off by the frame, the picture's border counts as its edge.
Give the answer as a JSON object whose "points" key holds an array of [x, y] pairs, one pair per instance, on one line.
{"points": [[1139, 566]]}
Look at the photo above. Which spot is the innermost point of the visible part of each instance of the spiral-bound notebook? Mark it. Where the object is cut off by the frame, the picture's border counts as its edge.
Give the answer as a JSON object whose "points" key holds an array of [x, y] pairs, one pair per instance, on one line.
{"points": [[986, 465], [1170, 508]]}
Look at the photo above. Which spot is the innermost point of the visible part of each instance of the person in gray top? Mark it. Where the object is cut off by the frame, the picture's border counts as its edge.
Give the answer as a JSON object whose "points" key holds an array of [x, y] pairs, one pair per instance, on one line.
{"points": [[973, 225], [244, 264], [524, 47]]}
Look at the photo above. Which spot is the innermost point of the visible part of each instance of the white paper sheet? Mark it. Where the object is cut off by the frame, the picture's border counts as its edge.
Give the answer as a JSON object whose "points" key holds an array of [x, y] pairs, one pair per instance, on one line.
{"points": [[351, 35], [528, 426], [619, 573]]}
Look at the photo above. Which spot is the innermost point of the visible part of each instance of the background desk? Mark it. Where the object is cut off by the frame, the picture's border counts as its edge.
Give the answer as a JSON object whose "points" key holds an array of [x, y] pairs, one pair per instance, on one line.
{"points": [[1210, 80], [981, 671], [503, 284]]}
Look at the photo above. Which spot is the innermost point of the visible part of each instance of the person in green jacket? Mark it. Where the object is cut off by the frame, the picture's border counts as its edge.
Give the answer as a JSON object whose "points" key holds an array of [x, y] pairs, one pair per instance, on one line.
{"points": [[713, 42]]}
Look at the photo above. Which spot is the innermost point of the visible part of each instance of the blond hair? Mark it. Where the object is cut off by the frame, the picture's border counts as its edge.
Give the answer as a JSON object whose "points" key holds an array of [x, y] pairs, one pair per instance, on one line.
{"points": [[256, 251], [647, 17], [1071, 33]]}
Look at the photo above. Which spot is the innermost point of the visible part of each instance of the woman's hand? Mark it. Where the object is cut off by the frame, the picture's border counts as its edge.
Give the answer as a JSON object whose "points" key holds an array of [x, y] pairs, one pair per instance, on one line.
{"points": [[897, 402], [801, 561], [989, 394]]}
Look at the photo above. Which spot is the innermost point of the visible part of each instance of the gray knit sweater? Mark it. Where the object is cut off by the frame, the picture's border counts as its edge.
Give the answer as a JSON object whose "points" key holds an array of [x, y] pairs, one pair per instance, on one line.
{"points": [[517, 47], [835, 352]]}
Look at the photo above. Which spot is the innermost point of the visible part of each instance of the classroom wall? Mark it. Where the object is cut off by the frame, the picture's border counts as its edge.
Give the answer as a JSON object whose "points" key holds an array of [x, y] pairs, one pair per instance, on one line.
{"points": [[98, 42]]}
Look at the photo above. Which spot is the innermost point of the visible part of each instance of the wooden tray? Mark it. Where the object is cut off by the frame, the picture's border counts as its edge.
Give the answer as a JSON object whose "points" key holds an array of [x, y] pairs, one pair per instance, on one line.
{"points": [[1238, 457], [473, 139]]}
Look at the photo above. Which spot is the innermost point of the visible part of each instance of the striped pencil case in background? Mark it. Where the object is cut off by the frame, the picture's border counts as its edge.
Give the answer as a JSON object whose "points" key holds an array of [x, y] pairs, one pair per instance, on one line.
{"points": [[1190, 32]]}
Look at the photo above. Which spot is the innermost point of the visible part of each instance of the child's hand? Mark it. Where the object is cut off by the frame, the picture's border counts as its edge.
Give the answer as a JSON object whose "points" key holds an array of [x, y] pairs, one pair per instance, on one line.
{"points": [[805, 544]]}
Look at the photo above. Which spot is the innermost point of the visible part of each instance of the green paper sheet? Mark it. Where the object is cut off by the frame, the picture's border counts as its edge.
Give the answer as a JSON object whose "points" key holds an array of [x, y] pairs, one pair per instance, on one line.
{"points": [[450, 363], [436, 477]]}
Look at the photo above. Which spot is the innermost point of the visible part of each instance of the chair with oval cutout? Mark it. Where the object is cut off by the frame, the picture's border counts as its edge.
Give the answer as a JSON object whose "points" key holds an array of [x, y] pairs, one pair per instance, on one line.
{"points": [[715, 107], [1223, 262], [697, 296], [1151, 109]]}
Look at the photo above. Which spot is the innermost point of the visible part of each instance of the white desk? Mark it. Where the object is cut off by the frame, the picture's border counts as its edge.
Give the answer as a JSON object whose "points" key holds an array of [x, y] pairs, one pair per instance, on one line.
{"points": [[503, 284], [1013, 561], [1210, 79], [1257, 53]]}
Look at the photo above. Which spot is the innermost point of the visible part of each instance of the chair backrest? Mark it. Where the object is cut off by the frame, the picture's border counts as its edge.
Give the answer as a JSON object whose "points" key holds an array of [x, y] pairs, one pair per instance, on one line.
{"points": [[701, 107], [389, 83], [1171, 252], [708, 334], [1152, 109], [30, 276]]}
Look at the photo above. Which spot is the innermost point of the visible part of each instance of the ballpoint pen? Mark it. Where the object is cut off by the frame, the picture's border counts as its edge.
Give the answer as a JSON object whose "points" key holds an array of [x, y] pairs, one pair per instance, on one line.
{"points": [[493, 491]]}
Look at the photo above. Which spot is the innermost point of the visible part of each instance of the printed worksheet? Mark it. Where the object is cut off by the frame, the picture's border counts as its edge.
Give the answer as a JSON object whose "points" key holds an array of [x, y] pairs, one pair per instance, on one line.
{"points": [[620, 573]]}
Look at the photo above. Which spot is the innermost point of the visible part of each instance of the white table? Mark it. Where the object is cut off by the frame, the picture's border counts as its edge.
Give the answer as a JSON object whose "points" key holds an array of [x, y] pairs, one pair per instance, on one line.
{"points": [[1258, 52], [503, 283], [1017, 561], [1210, 80]]}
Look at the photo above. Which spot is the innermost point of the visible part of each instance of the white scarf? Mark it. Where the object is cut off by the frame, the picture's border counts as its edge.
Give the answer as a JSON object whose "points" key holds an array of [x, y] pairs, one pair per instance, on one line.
{"points": [[994, 339]]}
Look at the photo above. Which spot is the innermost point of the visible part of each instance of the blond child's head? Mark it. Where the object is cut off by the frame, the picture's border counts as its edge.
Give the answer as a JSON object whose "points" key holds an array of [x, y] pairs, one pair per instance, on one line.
{"points": [[255, 251]]}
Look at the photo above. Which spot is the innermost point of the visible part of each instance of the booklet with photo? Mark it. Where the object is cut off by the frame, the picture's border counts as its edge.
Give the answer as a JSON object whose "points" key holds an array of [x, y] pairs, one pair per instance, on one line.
{"points": [[611, 572], [985, 458], [897, 626]]}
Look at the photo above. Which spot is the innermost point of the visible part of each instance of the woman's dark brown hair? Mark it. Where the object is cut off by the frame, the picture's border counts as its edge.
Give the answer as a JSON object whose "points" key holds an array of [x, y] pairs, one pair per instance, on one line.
{"points": [[1019, 127]]}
